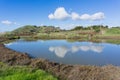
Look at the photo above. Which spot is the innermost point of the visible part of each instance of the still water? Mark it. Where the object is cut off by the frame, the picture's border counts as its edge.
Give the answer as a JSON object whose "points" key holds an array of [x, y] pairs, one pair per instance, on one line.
{"points": [[62, 51]]}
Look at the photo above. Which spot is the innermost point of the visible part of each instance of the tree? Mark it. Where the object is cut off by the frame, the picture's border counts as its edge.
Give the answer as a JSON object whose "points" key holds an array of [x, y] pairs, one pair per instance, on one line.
{"points": [[78, 28]]}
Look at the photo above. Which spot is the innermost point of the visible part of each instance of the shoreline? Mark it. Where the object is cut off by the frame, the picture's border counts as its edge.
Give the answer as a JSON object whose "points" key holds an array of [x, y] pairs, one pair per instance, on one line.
{"points": [[62, 71]]}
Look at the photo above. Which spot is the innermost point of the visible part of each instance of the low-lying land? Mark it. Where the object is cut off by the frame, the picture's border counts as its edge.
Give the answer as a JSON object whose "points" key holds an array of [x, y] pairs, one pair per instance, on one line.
{"points": [[62, 71]]}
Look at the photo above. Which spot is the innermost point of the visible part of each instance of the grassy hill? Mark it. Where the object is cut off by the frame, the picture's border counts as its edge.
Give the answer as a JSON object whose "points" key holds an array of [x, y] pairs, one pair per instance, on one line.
{"points": [[31, 29]]}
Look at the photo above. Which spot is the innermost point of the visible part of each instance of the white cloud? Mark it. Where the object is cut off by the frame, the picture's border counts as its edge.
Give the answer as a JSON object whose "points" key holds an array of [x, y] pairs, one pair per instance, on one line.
{"points": [[75, 16], [67, 26], [98, 16], [51, 16], [6, 22], [85, 17], [16, 23], [61, 14]]}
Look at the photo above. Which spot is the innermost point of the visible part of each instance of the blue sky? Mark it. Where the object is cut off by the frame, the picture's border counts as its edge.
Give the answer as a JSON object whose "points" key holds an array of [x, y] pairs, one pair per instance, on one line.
{"points": [[63, 13]]}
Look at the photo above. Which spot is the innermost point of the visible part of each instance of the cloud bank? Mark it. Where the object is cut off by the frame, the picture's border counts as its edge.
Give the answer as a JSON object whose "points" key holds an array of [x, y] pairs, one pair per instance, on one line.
{"points": [[61, 14]]}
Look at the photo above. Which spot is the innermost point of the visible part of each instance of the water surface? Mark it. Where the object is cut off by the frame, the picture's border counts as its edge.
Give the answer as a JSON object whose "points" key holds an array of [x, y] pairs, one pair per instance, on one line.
{"points": [[62, 51]]}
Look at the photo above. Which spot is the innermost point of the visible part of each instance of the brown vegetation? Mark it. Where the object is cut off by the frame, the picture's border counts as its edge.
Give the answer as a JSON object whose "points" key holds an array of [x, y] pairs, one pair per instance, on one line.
{"points": [[107, 37]]}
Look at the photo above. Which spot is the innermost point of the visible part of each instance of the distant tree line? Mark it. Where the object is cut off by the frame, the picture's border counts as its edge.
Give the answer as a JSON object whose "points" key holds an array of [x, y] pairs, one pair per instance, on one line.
{"points": [[96, 28]]}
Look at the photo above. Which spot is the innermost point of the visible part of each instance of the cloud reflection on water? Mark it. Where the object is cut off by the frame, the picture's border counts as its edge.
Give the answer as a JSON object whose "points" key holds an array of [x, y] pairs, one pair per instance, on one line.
{"points": [[9, 44], [61, 51]]}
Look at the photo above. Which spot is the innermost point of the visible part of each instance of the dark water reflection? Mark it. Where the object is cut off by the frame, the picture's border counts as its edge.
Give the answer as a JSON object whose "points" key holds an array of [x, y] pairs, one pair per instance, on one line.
{"points": [[87, 53]]}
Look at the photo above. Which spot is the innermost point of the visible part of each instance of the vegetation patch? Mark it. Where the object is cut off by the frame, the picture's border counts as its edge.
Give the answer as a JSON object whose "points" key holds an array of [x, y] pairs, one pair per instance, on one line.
{"points": [[23, 73]]}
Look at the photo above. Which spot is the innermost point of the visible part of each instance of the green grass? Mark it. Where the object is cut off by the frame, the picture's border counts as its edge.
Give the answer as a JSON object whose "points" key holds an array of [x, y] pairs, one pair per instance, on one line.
{"points": [[112, 32], [60, 35], [42, 35], [23, 73]]}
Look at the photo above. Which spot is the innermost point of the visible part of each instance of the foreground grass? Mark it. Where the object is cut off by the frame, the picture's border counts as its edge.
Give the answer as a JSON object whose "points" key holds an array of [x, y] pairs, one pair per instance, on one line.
{"points": [[23, 73]]}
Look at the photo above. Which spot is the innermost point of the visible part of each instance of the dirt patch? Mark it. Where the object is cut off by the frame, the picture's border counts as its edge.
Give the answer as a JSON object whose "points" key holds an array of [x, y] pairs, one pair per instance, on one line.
{"points": [[12, 57], [62, 71]]}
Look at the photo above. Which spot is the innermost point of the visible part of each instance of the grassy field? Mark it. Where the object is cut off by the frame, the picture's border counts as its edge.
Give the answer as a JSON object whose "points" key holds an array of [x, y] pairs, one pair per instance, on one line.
{"points": [[23, 73], [61, 35]]}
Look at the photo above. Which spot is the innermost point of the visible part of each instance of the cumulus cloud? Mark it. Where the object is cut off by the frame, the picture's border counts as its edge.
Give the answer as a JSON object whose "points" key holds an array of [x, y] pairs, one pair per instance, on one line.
{"points": [[85, 17], [7, 22], [61, 14], [75, 16], [68, 26], [98, 16]]}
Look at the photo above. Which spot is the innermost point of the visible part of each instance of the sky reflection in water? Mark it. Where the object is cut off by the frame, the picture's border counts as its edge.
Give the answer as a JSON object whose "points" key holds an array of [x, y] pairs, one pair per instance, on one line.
{"points": [[62, 51]]}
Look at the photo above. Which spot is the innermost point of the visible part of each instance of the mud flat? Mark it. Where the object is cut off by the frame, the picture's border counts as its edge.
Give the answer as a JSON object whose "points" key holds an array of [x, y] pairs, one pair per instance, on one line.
{"points": [[62, 71]]}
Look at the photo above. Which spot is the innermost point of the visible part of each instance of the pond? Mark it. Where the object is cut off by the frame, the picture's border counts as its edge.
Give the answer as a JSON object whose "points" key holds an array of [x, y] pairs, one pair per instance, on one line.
{"points": [[62, 51]]}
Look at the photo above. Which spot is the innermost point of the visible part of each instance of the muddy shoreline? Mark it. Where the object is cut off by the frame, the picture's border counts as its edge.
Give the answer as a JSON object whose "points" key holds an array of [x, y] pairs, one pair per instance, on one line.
{"points": [[62, 71]]}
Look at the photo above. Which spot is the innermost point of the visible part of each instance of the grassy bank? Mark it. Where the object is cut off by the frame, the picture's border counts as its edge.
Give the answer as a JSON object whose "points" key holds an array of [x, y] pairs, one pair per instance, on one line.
{"points": [[60, 35], [81, 34], [23, 73]]}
